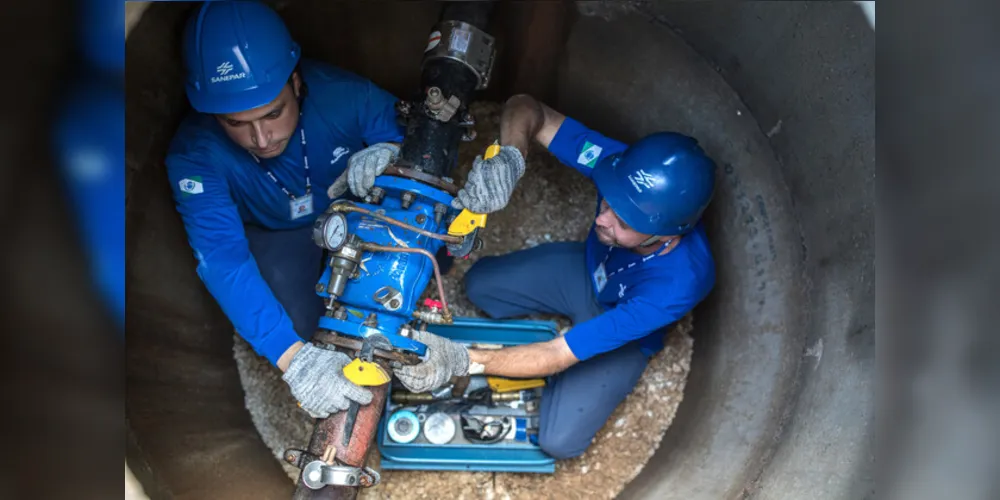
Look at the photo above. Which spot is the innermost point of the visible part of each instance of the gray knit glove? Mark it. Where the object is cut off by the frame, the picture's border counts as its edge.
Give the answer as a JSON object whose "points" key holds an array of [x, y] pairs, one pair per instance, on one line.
{"points": [[445, 359], [491, 182], [316, 377], [339, 186], [365, 165]]}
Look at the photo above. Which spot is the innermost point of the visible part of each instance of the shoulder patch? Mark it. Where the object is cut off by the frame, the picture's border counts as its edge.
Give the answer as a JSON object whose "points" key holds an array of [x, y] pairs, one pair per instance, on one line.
{"points": [[191, 185], [589, 154]]}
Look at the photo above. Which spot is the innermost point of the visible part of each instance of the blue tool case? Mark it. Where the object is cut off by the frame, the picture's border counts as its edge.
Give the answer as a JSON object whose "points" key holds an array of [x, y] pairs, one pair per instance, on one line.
{"points": [[471, 428]]}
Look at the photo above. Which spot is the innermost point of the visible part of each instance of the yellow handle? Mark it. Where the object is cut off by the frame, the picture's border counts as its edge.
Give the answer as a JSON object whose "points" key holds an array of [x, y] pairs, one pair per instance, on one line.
{"points": [[365, 373], [492, 150], [500, 384], [467, 221]]}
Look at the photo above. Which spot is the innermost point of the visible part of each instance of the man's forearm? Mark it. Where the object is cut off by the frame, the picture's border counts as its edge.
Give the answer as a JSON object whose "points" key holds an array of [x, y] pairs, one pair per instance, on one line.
{"points": [[526, 361], [522, 118]]}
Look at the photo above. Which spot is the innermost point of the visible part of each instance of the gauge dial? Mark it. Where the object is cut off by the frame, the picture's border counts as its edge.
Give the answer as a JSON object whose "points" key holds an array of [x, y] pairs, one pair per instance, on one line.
{"points": [[330, 231], [335, 232]]}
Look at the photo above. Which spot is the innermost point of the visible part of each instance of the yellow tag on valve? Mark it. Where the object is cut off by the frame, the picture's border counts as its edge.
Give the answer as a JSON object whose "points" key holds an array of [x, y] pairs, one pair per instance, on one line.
{"points": [[365, 373], [467, 221]]}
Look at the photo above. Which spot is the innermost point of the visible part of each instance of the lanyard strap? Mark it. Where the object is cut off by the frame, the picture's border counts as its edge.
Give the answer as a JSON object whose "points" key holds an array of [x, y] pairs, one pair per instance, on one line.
{"points": [[636, 262], [305, 164]]}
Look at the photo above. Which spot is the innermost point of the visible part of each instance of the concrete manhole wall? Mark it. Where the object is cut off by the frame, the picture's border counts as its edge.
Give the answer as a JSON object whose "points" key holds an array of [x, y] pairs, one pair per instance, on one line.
{"points": [[781, 95]]}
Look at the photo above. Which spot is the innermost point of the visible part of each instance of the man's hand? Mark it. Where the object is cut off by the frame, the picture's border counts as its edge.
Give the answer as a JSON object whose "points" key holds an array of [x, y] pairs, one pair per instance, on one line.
{"points": [[491, 182], [316, 377], [365, 165], [445, 359]]}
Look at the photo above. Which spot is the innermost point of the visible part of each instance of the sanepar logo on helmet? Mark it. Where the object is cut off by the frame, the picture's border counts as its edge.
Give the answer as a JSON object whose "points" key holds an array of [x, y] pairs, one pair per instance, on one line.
{"points": [[642, 179], [225, 73]]}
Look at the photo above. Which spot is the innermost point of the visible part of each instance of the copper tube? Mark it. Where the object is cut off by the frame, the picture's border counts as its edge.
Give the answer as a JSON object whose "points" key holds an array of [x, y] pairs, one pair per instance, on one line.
{"points": [[446, 313], [343, 207]]}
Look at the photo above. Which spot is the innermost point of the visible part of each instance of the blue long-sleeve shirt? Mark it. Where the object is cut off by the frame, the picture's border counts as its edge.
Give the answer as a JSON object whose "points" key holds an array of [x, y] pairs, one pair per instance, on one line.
{"points": [[218, 187], [641, 295]]}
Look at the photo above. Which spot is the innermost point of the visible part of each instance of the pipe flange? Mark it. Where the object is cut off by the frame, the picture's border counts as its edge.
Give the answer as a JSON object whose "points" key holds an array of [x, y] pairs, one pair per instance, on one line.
{"points": [[399, 170]]}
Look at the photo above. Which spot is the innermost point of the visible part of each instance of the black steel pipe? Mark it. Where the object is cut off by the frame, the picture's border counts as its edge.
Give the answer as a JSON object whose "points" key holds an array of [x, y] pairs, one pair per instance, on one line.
{"points": [[475, 13], [431, 146]]}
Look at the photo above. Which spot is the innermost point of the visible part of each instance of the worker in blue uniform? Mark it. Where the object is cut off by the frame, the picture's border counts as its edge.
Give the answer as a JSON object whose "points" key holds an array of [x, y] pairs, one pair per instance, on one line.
{"points": [[249, 169], [646, 263]]}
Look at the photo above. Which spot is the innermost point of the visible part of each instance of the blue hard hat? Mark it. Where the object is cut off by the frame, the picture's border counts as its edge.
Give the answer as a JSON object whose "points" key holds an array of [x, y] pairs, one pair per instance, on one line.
{"points": [[659, 185], [238, 56]]}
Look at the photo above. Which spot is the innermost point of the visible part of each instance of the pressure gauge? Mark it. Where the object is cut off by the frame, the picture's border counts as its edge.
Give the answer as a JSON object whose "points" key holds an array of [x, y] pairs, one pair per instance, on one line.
{"points": [[330, 231]]}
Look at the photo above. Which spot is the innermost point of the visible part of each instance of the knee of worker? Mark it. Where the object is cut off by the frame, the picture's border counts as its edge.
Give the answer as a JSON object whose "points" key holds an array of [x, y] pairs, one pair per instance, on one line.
{"points": [[481, 281], [560, 444]]}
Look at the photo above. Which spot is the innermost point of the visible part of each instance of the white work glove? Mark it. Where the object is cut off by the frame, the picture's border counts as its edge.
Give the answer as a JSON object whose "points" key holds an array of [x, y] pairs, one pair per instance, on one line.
{"points": [[445, 359], [365, 165], [339, 186], [316, 377], [491, 182]]}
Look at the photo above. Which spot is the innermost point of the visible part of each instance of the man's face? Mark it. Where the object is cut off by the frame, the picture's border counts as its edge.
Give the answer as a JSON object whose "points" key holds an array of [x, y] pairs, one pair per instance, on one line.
{"points": [[266, 130], [614, 232]]}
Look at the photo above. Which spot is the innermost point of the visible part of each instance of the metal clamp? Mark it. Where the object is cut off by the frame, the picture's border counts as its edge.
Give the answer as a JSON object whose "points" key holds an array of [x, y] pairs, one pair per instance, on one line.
{"points": [[317, 474], [389, 298], [466, 44]]}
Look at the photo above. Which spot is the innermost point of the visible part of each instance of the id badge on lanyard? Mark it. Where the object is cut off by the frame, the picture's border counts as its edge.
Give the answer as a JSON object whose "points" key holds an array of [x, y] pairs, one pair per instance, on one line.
{"points": [[301, 206], [298, 206], [601, 275]]}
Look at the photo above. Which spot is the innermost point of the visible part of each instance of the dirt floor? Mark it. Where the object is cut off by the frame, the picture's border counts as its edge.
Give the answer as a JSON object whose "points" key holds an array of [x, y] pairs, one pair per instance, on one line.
{"points": [[552, 203]]}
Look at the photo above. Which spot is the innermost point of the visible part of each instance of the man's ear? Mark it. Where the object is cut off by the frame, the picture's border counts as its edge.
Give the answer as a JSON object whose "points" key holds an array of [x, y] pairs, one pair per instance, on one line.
{"points": [[296, 84]]}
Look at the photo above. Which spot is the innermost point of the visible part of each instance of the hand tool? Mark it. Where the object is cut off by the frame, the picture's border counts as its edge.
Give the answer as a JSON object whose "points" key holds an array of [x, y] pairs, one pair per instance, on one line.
{"points": [[501, 384], [467, 221], [365, 372]]}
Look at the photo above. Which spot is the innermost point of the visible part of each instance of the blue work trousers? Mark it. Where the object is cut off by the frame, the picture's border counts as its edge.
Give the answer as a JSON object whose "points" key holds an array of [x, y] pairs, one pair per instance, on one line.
{"points": [[552, 278], [291, 264]]}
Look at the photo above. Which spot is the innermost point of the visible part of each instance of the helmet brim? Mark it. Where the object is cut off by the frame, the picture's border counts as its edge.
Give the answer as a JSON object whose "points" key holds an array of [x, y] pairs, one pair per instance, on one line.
{"points": [[246, 100], [604, 178]]}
